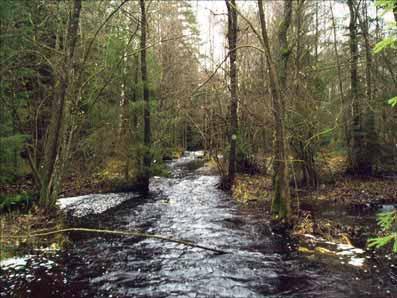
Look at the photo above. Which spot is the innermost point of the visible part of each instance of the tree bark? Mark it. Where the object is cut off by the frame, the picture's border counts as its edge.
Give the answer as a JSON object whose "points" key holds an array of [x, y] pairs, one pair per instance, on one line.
{"points": [[281, 208], [145, 175], [124, 125], [304, 151], [284, 47], [369, 114], [128, 95], [232, 40], [55, 152], [358, 159], [340, 80]]}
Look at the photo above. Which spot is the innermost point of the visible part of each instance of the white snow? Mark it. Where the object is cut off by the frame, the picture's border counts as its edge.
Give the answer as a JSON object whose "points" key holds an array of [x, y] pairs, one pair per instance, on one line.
{"points": [[20, 262], [14, 262], [93, 204], [344, 246], [350, 252], [358, 262]]}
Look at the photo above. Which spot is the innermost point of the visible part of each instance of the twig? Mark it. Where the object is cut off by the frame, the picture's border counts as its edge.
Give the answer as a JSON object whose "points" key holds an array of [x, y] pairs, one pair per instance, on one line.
{"points": [[221, 63], [124, 233], [99, 29]]}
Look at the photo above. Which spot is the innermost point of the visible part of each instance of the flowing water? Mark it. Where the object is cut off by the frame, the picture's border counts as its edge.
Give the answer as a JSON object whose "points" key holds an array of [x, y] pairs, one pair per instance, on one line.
{"points": [[189, 206]]}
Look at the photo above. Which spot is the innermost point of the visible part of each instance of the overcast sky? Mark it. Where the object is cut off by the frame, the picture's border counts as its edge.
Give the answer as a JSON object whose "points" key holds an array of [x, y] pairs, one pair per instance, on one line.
{"points": [[211, 25]]}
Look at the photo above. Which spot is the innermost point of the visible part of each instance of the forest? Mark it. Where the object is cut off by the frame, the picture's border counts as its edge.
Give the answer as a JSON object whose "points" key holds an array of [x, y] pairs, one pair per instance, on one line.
{"points": [[192, 148]]}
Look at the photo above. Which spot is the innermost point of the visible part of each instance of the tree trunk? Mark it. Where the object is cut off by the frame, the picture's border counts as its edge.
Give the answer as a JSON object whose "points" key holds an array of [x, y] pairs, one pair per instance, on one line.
{"points": [[124, 127], [358, 159], [317, 34], [145, 175], [284, 47], [60, 130], [232, 39], [370, 114], [128, 95], [304, 151], [281, 208], [343, 104]]}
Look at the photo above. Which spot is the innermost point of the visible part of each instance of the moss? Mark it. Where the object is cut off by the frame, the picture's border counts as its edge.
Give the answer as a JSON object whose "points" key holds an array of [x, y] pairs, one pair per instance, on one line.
{"points": [[280, 210], [276, 203], [285, 52], [159, 169], [16, 201], [317, 249]]}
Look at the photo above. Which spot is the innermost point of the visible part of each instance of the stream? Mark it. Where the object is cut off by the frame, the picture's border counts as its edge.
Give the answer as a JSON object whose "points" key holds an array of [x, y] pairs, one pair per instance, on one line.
{"points": [[188, 205]]}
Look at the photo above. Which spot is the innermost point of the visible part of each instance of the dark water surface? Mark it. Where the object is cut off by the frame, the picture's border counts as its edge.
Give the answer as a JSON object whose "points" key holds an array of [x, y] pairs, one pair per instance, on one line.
{"points": [[187, 206]]}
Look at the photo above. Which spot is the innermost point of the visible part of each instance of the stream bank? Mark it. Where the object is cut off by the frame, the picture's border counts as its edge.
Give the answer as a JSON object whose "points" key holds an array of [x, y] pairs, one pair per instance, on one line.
{"points": [[187, 205]]}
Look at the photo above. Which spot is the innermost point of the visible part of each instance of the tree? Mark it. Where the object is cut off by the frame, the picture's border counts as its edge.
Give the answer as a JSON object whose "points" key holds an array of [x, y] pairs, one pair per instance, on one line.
{"points": [[304, 91], [60, 130], [359, 158], [281, 208], [143, 180], [232, 40]]}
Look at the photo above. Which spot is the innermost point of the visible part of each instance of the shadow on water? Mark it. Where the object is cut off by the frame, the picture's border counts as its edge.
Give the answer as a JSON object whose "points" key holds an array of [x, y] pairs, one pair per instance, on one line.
{"points": [[185, 206]]}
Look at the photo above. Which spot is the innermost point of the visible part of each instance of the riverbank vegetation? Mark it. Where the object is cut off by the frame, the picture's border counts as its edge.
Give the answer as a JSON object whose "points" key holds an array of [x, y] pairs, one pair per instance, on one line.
{"points": [[96, 96]]}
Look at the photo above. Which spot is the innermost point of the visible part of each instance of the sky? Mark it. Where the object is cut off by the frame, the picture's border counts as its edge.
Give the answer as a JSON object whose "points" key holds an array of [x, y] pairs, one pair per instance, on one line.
{"points": [[212, 26]]}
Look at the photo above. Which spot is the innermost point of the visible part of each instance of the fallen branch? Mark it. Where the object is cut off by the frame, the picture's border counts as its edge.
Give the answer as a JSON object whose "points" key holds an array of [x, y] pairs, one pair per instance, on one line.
{"points": [[123, 233]]}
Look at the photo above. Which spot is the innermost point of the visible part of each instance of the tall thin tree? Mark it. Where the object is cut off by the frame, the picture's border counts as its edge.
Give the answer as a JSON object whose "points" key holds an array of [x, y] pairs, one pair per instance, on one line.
{"points": [[145, 175], [358, 157], [369, 123], [232, 40], [281, 208]]}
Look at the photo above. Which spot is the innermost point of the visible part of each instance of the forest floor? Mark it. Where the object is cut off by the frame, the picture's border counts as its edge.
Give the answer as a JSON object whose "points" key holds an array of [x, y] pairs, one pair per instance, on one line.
{"points": [[23, 220], [76, 184], [342, 211], [16, 228]]}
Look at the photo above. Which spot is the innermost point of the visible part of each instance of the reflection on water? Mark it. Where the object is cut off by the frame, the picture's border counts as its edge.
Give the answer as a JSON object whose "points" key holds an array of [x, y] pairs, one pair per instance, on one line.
{"points": [[186, 206]]}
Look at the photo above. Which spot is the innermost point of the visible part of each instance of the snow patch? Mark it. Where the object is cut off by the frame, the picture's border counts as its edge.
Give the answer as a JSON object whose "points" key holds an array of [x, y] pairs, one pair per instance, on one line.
{"points": [[93, 204], [358, 262], [14, 262], [22, 263]]}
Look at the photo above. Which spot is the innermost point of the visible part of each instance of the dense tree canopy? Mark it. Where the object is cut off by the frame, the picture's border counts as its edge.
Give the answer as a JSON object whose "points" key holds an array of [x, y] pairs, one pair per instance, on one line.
{"points": [[113, 88]]}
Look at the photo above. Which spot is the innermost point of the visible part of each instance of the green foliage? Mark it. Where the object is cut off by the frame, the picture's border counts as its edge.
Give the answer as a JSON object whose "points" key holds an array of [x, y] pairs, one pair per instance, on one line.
{"points": [[387, 221], [325, 137], [245, 159], [284, 51], [393, 101], [158, 168], [387, 5], [11, 202], [244, 149], [388, 42], [10, 148], [391, 41]]}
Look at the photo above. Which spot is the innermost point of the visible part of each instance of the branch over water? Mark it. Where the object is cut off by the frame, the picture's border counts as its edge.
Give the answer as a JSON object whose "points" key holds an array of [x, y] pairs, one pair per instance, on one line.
{"points": [[125, 233]]}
